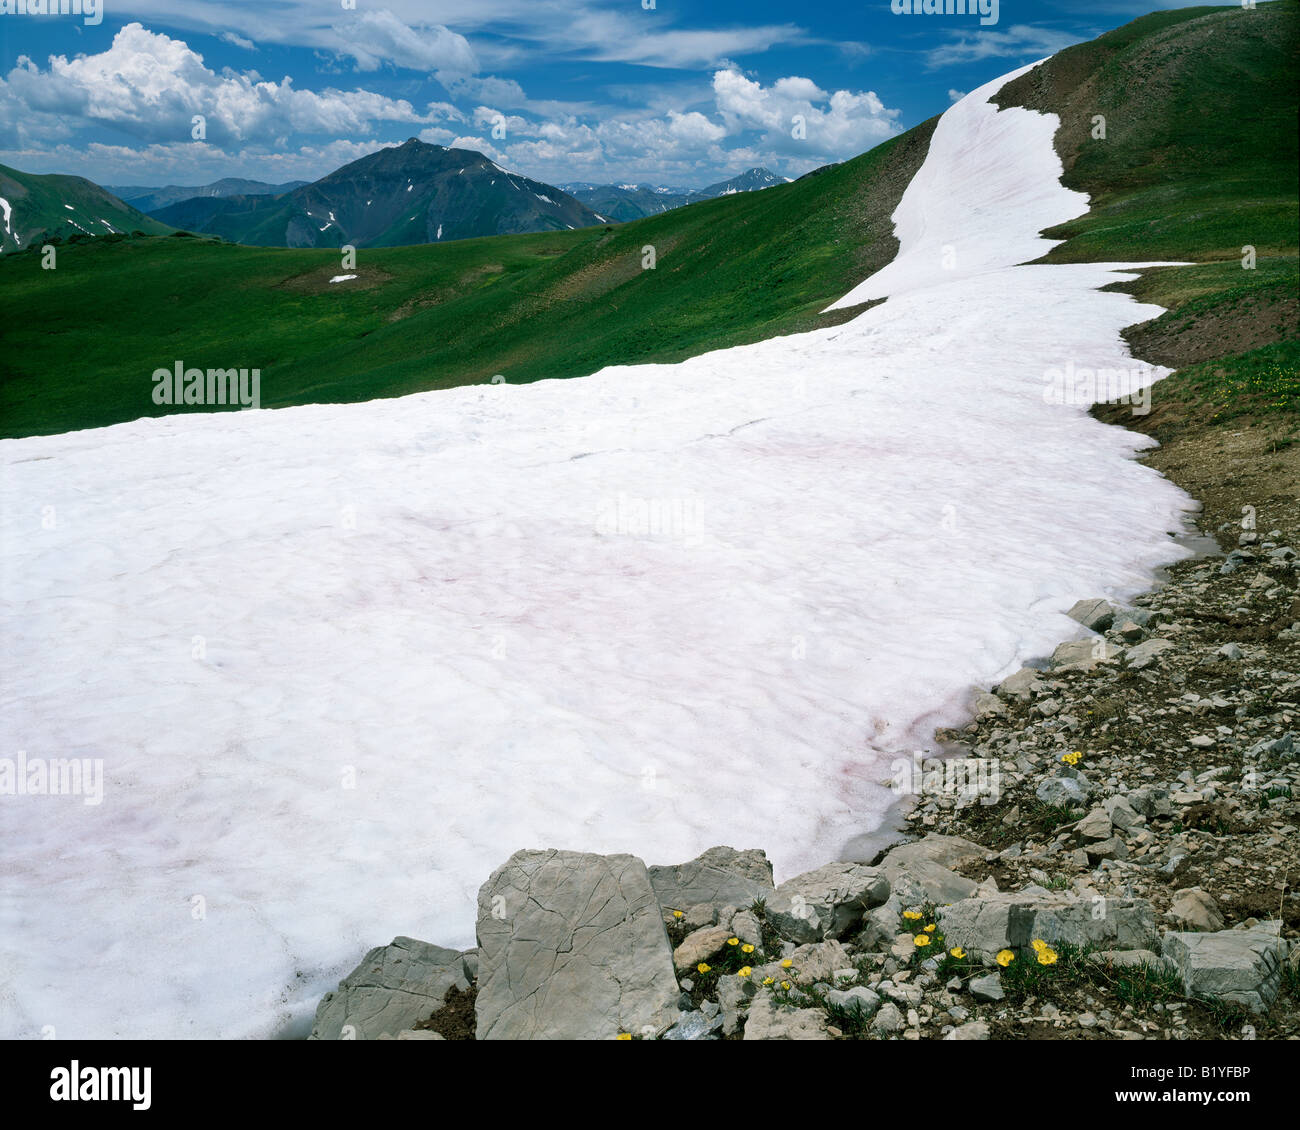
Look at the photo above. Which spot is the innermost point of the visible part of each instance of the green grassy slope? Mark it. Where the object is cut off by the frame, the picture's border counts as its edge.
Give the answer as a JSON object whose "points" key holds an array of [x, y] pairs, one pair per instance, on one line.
{"points": [[1199, 162], [528, 307], [63, 206]]}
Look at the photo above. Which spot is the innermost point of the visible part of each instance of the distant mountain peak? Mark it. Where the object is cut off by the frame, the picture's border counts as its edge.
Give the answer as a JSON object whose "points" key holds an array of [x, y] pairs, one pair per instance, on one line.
{"points": [[404, 194]]}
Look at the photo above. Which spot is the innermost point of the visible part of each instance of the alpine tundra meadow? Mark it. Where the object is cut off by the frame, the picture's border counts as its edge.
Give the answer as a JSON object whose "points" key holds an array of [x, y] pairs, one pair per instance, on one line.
{"points": [[645, 520]]}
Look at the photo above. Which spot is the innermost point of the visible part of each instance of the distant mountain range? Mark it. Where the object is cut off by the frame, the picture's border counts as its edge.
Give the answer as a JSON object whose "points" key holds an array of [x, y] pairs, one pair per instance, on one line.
{"points": [[401, 195], [625, 202], [151, 199], [51, 205], [406, 194]]}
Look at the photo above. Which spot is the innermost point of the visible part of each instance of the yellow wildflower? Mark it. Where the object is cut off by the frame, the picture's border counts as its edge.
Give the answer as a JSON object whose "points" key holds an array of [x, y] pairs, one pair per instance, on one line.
{"points": [[786, 963], [744, 972], [930, 928], [957, 952], [1005, 958], [922, 939], [746, 948], [702, 968], [733, 941], [624, 1036], [912, 915]]}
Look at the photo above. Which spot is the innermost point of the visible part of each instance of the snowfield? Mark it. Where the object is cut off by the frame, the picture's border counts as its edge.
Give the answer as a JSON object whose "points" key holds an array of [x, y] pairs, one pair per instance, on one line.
{"points": [[340, 661]]}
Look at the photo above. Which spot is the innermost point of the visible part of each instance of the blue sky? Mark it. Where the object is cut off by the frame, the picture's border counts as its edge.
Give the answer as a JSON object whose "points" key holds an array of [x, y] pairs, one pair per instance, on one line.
{"points": [[685, 93]]}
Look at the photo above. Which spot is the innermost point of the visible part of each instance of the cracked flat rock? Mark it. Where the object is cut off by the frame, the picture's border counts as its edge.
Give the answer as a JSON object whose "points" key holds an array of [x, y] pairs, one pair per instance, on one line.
{"points": [[996, 922], [572, 947], [394, 988], [720, 877]]}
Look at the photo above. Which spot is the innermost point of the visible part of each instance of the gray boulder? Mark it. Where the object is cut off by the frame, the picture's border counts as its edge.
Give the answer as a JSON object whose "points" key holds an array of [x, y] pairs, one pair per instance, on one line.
{"points": [[1095, 615], [987, 988], [1122, 814], [888, 1021], [1152, 802], [694, 1026], [720, 877], [917, 881], [394, 988], [1064, 791], [989, 923], [746, 927], [815, 962], [1083, 655], [1126, 959], [770, 1020], [1022, 685], [1095, 826], [825, 903], [1241, 966], [572, 946], [1195, 909], [880, 925], [946, 851], [734, 997], [1145, 654], [858, 1001], [702, 945]]}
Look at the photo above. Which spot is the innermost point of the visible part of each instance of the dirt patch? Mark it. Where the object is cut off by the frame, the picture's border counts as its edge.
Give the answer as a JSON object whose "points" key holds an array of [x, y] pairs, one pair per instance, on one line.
{"points": [[1180, 338], [317, 280], [456, 1019]]}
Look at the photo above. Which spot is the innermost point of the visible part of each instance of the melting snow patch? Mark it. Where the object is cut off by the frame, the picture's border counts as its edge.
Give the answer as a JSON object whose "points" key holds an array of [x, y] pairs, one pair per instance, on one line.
{"points": [[361, 653], [342, 278]]}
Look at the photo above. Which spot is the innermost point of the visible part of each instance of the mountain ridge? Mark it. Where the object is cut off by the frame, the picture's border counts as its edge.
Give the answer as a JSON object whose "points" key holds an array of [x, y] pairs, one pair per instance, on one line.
{"points": [[60, 205], [401, 195], [152, 198]]}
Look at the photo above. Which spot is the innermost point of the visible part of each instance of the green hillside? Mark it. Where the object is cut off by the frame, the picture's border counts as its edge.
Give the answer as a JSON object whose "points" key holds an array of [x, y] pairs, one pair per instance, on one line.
{"points": [[62, 206], [1199, 161], [556, 304]]}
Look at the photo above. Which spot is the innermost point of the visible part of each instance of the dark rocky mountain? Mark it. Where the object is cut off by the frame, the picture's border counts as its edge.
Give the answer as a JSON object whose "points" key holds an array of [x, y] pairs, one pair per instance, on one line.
{"points": [[623, 202], [751, 180], [406, 194]]}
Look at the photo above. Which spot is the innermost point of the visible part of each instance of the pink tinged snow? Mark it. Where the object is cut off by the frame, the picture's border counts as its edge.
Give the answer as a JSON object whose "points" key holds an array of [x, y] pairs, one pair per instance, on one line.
{"points": [[340, 661]]}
